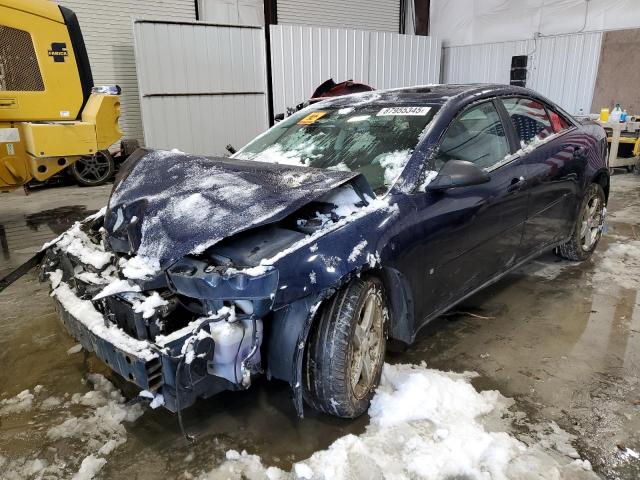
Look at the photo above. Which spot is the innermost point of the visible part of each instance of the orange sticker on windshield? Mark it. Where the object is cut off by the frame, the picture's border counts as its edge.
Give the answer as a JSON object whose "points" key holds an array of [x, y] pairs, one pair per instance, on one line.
{"points": [[311, 118]]}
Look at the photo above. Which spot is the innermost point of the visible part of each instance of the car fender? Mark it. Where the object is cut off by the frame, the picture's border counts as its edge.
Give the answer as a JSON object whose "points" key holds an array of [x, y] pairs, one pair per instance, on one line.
{"points": [[314, 272]]}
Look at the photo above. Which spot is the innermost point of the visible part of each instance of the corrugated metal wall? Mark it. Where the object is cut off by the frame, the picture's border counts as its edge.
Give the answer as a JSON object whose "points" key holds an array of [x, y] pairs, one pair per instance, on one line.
{"points": [[562, 67], [304, 57], [231, 12], [202, 86], [380, 15], [108, 36]]}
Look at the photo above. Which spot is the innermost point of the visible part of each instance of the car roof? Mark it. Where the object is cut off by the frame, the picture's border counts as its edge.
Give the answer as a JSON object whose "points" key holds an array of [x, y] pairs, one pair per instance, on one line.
{"points": [[437, 94]]}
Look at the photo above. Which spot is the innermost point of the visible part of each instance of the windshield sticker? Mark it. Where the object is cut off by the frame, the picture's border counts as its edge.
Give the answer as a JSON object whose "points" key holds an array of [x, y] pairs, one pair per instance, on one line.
{"points": [[311, 118], [416, 111]]}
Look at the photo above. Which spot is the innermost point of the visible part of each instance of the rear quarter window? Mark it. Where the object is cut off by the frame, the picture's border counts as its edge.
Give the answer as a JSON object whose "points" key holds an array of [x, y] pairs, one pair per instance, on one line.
{"points": [[529, 118], [558, 123]]}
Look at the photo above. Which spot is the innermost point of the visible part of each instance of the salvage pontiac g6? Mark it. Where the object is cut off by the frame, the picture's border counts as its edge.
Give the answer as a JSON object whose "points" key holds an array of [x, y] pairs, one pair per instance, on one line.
{"points": [[356, 220]]}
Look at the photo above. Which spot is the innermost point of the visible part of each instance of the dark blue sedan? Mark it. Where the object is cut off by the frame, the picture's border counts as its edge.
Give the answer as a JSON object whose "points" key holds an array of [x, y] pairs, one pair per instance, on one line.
{"points": [[358, 219]]}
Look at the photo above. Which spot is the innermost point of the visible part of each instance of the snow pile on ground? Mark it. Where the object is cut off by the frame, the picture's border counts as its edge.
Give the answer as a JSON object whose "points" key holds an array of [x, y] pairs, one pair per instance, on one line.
{"points": [[101, 429], [426, 424], [620, 264], [77, 447], [21, 402]]}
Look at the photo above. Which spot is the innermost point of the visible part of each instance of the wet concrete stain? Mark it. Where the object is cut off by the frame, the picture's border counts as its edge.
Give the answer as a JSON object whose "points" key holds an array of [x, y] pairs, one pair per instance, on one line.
{"points": [[564, 345], [58, 219]]}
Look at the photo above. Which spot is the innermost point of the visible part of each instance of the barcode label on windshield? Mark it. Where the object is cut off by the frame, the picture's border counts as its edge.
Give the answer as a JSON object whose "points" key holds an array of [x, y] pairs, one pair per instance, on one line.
{"points": [[404, 111]]}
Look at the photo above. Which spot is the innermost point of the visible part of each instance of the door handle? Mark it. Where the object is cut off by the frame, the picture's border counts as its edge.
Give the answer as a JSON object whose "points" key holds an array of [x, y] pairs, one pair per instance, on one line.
{"points": [[516, 184]]}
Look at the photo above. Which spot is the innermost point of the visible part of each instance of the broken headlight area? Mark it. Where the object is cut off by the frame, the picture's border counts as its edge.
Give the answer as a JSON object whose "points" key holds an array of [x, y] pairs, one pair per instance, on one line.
{"points": [[187, 332]]}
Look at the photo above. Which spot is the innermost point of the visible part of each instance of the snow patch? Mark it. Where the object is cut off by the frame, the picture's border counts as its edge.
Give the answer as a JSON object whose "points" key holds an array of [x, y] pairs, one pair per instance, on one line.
{"points": [[149, 305], [75, 242], [424, 424], [275, 154], [429, 176], [85, 313], [139, 267], [357, 251], [77, 348], [89, 468], [117, 286], [393, 164], [20, 403], [91, 430]]}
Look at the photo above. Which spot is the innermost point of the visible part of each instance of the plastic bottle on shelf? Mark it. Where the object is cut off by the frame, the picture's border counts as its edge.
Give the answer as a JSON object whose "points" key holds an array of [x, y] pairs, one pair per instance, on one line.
{"points": [[615, 114], [604, 114], [623, 116]]}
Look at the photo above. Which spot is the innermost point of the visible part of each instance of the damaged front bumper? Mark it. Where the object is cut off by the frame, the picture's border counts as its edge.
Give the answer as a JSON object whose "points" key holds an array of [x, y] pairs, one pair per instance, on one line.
{"points": [[201, 336]]}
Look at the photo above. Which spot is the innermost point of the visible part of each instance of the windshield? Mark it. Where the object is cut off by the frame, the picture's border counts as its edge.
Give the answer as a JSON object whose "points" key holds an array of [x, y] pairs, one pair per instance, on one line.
{"points": [[376, 141]]}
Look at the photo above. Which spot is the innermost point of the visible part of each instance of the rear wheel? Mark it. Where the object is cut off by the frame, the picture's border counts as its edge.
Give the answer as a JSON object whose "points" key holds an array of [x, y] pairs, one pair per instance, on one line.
{"points": [[588, 228], [94, 170], [346, 350]]}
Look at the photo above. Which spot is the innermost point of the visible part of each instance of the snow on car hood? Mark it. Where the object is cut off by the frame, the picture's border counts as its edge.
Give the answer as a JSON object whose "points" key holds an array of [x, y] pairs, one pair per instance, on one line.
{"points": [[168, 204]]}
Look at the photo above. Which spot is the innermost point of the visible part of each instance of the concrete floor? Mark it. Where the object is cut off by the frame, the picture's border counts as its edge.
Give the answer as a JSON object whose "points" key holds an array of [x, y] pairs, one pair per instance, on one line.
{"points": [[561, 339]]}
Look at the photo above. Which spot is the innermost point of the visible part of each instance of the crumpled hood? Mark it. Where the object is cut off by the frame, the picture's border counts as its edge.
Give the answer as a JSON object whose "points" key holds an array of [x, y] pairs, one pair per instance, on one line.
{"points": [[168, 204]]}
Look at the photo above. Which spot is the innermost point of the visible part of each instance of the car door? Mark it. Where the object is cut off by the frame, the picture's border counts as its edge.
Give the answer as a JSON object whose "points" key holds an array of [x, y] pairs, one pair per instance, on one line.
{"points": [[554, 168], [469, 234]]}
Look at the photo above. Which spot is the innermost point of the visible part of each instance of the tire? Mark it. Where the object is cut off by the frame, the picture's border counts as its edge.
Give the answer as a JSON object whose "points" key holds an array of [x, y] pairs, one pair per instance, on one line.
{"points": [[94, 170], [332, 382], [588, 227]]}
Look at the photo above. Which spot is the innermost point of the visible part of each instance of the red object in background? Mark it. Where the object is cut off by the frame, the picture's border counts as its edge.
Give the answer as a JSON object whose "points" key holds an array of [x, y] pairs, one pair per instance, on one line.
{"points": [[557, 122], [333, 89]]}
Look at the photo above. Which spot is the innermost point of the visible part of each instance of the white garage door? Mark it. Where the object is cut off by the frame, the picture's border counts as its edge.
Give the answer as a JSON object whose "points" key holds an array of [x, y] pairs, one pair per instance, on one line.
{"points": [[379, 15], [108, 36]]}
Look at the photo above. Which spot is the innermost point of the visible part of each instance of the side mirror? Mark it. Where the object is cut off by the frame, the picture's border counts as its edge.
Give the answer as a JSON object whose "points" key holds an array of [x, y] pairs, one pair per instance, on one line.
{"points": [[458, 173]]}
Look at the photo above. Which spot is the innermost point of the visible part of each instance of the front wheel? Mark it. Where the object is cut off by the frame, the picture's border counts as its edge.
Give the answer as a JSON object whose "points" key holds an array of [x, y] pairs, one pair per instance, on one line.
{"points": [[345, 353], [588, 228]]}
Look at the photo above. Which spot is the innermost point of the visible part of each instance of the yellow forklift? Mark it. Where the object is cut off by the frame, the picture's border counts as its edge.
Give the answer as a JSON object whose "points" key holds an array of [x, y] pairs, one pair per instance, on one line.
{"points": [[51, 116]]}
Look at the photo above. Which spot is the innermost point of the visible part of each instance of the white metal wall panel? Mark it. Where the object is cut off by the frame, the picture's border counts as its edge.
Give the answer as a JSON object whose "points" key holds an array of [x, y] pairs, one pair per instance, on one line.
{"points": [[202, 86], [304, 57], [108, 36], [562, 67], [380, 15], [232, 12], [473, 22]]}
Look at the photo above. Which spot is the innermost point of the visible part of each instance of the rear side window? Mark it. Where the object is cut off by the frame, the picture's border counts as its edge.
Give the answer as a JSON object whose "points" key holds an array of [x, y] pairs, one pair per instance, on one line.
{"points": [[529, 118], [476, 136]]}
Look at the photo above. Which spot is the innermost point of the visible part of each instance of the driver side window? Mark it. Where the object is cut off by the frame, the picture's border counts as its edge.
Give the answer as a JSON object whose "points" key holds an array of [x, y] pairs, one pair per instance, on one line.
{"points": [[476, 136]]}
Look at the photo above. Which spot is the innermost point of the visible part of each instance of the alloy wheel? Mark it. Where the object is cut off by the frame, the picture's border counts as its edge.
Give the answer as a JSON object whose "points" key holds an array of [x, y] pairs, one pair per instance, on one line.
{"points": [[367, 344], [94, 169], [592, 221]]}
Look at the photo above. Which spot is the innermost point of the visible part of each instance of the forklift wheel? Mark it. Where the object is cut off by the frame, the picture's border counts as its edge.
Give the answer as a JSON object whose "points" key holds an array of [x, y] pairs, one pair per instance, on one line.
{"points": [[94, 170]]}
